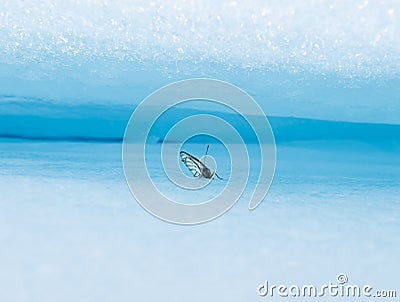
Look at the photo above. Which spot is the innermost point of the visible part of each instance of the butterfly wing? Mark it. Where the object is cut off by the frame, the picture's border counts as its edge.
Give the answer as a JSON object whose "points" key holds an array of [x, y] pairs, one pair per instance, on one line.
{"points": [[194, 165]]}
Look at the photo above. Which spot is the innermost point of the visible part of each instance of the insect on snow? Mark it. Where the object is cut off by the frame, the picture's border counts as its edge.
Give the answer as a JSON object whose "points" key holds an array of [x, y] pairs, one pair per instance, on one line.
{"points": [[196, 167]]}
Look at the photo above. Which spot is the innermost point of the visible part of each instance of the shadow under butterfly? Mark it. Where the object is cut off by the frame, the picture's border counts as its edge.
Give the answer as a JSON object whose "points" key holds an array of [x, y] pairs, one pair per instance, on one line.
{"points": [[197, 167]]}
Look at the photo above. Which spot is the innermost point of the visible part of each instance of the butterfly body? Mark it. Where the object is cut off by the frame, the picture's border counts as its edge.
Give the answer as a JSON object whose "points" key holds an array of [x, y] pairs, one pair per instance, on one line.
{"points": [[196, 166]]}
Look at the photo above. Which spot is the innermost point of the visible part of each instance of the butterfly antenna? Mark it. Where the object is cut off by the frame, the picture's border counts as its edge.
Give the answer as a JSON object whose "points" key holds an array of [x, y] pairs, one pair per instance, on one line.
{"points": [[208, 146]]}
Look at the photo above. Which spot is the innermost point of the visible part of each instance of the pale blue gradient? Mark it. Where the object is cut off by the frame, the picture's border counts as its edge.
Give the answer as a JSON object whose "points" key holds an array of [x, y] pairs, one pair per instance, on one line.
{"points": [[327, 74]]}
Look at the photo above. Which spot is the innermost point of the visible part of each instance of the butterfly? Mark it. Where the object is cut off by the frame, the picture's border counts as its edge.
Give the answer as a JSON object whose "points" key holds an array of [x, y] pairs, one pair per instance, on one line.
{"points": [[196, 167]]}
